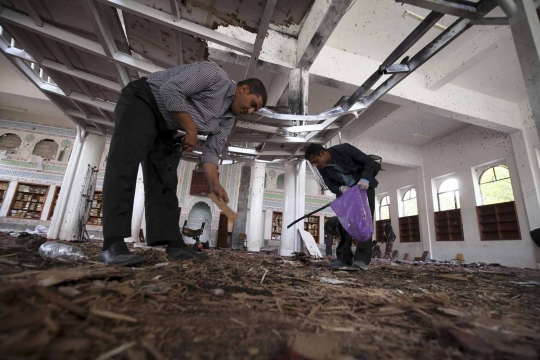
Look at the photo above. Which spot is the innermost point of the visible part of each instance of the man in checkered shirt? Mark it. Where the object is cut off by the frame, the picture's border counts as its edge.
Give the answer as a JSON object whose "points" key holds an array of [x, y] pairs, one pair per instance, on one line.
{"points": [[199, 98]]}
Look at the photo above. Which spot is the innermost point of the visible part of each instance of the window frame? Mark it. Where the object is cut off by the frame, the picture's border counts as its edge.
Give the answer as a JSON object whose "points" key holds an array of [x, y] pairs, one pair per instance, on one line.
{"points": [[454, 191], [387, 204], [408, 191]]}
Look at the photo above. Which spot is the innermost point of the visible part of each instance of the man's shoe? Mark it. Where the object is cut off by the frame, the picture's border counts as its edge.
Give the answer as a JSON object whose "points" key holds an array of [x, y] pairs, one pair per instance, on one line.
{"points": [[360, 264], [118, 254], [185, 253], [338, 264]]}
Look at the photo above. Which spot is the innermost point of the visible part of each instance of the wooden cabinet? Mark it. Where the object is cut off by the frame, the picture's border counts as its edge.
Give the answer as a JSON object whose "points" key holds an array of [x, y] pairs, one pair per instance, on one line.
{"points": [[28, 201], [96, 211], [53, 203], [498, 221], [311, 225], [3, 189], [276, 225], [379, 230], [448, 225], [409, 229]]}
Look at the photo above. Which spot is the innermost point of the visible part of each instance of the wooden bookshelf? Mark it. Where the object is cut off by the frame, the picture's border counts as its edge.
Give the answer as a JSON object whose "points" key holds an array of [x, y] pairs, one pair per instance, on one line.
{"points": [[311, 225], [379, 230], [448, 226], [28, 201], [277, 217], [3, 189], [498, 221], [409, 229], [53, 204], [96, 211]]}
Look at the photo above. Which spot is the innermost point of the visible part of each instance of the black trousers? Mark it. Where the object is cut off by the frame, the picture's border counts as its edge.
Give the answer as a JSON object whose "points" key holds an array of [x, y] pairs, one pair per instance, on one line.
{"points": [[363, 249], [331, 229], [141, 136]]}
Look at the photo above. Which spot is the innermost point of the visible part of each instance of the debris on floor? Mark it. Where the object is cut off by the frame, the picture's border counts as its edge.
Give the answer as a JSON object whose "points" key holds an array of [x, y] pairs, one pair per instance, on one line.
{"points": [[241, 305]]}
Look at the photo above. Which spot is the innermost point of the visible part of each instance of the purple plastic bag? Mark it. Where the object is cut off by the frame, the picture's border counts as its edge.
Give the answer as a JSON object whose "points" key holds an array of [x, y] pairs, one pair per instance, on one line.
{"points": [[352, 210]]}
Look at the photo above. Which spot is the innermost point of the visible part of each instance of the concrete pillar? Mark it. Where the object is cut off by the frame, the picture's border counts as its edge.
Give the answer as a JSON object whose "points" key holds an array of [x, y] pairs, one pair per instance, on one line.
{"points": [[48, 202], [298, 91], [91, 154], [255, 225], [240, 225], [300, 200], [8, 198], [525, 27], [288, 236], [138, 208], [424, 214]]}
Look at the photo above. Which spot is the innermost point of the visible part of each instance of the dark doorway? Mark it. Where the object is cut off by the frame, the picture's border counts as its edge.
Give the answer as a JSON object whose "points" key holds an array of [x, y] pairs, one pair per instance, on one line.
{"points": [[222, 233]]}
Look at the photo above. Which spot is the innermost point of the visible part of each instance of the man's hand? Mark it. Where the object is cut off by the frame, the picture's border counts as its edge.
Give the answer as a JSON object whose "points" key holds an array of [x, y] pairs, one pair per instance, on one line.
{"points": [[190, 141], [212, 177], [344, 189], [186, 122], [364, 184]]}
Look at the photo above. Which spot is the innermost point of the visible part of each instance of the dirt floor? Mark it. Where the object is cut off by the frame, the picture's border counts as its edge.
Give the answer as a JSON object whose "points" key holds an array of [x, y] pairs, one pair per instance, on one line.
{"points": [[261, 306]]}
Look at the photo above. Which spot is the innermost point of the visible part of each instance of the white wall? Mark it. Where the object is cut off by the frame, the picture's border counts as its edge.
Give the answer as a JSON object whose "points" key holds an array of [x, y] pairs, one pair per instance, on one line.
{"points": [[391, 180], [457, 153]]}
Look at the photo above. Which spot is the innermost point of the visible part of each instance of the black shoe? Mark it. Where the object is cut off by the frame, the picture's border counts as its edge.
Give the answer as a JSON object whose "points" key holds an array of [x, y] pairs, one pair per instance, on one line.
{"points": [[338, 264], [118, 254], [185, 253]]}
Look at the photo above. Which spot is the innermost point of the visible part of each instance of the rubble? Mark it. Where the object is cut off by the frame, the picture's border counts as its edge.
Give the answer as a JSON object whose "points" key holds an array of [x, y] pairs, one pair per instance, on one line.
{"points": [[261, 306]]}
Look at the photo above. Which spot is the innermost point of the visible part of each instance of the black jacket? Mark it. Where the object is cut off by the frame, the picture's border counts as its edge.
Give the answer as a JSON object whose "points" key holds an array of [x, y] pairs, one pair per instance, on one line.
{"points": [[348, 157]]}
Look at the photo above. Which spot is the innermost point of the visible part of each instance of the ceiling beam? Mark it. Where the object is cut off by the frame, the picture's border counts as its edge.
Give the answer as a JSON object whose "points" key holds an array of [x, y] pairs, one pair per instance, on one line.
{"points": [[462, 9], [75, 41], [182, 25], [261, 34], [466, 57], [319, 24], [32, 12], [105, 37]]}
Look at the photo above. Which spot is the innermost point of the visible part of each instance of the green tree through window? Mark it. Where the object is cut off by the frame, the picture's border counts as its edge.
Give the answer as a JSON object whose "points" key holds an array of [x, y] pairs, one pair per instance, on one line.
{"points": [[495, 185]]}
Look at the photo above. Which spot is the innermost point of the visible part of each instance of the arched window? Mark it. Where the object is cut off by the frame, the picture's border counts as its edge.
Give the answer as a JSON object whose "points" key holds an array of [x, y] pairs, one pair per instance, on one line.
{"points": [[384, 208], [47, 149], [10, 141], [448, 195], [280, 184], [410, 205], [495, 185]]}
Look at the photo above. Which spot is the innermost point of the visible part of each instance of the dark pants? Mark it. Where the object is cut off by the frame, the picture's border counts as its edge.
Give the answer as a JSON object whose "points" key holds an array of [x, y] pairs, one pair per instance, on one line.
{"points": [[388, 249], [363, 249], [141, 136], [331, 229]]}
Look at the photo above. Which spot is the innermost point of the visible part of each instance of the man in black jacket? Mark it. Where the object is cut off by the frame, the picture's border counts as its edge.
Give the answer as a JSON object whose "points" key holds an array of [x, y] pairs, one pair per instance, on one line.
{"points": [[341, 167]]}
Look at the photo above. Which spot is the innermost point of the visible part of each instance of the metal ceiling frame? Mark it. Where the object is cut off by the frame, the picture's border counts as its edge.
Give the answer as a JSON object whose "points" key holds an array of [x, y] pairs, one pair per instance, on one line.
{"points": [[265, 126]]}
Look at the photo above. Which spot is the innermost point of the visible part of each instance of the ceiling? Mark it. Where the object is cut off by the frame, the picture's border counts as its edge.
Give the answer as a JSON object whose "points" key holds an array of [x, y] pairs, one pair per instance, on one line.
{"points": [[92, 48], [411, 126], [365, 31]]}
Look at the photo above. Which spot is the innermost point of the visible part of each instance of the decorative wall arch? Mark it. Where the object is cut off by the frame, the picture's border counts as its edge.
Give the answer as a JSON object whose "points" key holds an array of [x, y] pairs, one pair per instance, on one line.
{"points": [[47, 148]]}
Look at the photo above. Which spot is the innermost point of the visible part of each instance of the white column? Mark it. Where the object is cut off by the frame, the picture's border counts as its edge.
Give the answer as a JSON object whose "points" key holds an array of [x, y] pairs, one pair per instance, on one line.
{"points": [[48, 202], [138, 208], [300, 201], [91, 154], [255, 224], [424, 212], [287, 243], [8, 198]]}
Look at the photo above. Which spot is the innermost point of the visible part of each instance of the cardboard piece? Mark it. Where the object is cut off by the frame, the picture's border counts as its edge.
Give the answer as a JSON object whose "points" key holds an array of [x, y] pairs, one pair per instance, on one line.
{"points": [[310, 243], [222, 206]]}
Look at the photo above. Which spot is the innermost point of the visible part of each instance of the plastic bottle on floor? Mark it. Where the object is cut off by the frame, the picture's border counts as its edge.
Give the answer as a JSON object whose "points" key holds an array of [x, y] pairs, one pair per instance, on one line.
{"points": [[56, 250]]}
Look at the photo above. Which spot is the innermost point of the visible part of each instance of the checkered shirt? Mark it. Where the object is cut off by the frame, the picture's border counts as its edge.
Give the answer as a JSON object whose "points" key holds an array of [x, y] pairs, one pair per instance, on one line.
{"points": [[204, 91]]}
